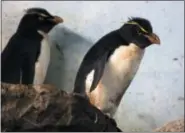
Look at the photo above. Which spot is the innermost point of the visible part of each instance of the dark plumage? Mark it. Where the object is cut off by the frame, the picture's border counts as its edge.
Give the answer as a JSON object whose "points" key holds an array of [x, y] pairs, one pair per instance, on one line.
{"points": [[115, 59], [23, 49]]}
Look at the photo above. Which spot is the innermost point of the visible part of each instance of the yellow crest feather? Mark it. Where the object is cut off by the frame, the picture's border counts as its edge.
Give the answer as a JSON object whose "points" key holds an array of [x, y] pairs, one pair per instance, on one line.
{"points": [[135, 23]]}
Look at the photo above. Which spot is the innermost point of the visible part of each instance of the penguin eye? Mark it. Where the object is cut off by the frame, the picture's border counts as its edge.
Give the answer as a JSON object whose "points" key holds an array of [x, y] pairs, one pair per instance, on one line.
{"points": [[41, 18], [139, 32]]}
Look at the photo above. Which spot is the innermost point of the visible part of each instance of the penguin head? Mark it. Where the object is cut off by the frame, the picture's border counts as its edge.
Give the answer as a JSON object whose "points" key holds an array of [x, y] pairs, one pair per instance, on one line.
{"points": [[36, 19], [140, 32]]}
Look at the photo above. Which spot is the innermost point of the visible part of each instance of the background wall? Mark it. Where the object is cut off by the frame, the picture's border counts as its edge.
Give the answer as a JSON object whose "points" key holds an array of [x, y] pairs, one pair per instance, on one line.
{"points": [[156, 95]]}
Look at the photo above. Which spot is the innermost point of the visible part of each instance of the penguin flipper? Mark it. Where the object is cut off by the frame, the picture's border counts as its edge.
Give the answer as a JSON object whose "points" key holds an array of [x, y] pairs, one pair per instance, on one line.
{"points": [[98, 72], [7, 51]]}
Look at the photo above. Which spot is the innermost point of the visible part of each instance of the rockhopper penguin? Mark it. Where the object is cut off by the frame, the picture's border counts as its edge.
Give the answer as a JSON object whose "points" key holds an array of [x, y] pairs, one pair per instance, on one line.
{"points": [[20, 55], [115, 59]]}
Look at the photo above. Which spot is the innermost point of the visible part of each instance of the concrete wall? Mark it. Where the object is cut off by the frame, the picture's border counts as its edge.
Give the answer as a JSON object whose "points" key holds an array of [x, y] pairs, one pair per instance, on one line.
{"points": [[156, 95]]}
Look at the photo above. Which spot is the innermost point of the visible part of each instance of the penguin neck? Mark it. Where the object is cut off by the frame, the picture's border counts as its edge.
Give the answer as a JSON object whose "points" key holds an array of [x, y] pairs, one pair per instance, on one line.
{"points": [[135, 48], [32, 36], [29, 33], [42, 33]]}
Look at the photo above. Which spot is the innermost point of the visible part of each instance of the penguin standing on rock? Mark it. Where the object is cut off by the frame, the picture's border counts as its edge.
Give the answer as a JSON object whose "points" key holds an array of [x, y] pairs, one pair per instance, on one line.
{"points": [[20, 55], [115, 59]]}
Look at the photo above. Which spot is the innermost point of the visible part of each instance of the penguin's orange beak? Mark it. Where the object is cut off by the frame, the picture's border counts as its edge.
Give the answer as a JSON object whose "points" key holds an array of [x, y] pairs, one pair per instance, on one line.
{"points": [[57, 19], [154, 38]]}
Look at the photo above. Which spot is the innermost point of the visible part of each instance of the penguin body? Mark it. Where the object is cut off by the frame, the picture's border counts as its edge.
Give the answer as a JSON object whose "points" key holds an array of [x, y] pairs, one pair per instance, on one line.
{"points": [[96, 58], [115, 60], [43, 61], [16, 56], [23, 50], [119, 71]]}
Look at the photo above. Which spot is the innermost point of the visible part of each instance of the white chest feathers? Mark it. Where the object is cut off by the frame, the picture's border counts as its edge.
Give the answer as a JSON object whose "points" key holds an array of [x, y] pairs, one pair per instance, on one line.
{"points": [[122, 67], [42, 64], [118, 74]]}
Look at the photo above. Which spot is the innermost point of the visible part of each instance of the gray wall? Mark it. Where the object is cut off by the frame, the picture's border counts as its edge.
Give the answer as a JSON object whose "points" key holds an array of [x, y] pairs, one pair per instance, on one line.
{"points": [[156, 95]]}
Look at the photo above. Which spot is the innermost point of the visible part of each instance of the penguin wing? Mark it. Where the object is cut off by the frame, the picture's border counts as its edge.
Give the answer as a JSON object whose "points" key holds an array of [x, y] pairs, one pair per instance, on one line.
{"points": [[86, 67], [98, 70], [9, 48]]}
